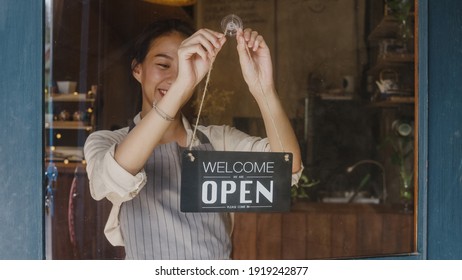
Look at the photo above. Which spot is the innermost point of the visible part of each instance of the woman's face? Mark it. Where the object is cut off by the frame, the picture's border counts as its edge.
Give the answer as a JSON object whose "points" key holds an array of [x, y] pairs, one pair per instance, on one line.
{"points": [[159, 69]]}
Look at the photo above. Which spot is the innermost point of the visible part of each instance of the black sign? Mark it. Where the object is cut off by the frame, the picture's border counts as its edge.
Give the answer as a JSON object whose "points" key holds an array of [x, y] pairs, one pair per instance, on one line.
{"points": [[213, 181]]}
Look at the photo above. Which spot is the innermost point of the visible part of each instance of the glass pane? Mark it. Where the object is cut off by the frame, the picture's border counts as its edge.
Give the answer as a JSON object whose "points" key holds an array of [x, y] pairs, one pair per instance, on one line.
{"points": [[344, 72]]}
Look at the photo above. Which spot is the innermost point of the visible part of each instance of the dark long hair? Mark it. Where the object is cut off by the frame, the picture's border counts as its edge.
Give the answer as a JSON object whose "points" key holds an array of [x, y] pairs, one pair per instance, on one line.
{"points": [[153, 31]]}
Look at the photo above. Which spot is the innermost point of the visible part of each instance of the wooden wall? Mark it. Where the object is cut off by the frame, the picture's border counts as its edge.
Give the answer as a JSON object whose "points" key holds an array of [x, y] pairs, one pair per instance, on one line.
{"points": [[324, 231]]}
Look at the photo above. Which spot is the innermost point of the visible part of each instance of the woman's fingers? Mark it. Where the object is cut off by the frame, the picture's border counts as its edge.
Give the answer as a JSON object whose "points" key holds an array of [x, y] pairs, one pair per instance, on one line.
{"points": [[196, 49], [255, 59], [196, 54], [253, 39], [209, 40]]}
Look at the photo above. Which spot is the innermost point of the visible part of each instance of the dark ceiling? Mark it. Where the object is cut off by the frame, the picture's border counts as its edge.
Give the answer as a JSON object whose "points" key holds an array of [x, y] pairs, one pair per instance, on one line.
{"points": [[128, 16]]}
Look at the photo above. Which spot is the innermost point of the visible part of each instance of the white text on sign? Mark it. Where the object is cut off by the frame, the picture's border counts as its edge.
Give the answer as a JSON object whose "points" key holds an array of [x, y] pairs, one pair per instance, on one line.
{"points": [[211, 191]]}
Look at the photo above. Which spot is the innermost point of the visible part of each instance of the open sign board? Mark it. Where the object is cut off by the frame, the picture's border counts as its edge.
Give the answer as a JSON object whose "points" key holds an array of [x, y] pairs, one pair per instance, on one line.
{"points": [[213, 181]]}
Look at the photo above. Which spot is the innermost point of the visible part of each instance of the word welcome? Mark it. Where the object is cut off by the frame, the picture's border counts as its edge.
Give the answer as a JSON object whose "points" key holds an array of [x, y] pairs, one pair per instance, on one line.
{"points": [[238, 167]]}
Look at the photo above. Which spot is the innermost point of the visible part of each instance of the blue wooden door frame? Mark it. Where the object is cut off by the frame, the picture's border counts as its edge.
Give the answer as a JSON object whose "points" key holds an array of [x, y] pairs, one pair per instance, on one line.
{"points": [[444, 158], [439, 121], [21, 204], [422, 124]]}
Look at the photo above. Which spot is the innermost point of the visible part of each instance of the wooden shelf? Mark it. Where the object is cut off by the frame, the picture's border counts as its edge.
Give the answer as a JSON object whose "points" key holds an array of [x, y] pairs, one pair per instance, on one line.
{"points": [[388, 27], [396, 58], [68, 125], [335, 97], [69, 97], [64, 154], [392, 61], [393, 101]]}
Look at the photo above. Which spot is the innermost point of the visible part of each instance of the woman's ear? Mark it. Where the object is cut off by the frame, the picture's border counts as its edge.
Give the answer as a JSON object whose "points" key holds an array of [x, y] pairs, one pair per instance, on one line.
{"points": [[136, 70]]}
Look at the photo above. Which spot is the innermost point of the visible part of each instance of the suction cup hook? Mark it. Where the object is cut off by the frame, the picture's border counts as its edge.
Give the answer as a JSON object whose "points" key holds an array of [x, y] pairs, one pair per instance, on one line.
{"points": [[230, 24]]}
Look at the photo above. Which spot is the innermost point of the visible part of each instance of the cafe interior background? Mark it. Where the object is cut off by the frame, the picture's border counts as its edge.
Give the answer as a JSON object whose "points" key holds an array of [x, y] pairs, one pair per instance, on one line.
{"points": [[344, 71]]}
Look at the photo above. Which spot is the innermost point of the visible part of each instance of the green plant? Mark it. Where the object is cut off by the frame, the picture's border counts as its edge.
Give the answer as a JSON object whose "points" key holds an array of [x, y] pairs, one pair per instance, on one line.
{"points": [[399, 7], [401, 10], [401, 140], [300, 189]]}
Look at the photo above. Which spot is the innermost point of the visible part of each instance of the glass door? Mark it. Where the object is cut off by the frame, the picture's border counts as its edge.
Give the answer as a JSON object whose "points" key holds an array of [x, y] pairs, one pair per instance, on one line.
{"points": [[345, 73]]}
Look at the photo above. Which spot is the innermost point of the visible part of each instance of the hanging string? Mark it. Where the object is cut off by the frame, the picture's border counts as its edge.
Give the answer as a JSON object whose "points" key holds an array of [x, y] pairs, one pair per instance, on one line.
{"points": [[207, 80], [201, 105]]}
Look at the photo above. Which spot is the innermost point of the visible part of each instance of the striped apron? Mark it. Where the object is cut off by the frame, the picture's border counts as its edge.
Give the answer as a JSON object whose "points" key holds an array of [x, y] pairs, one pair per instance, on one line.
{"points": [[153, 227]]}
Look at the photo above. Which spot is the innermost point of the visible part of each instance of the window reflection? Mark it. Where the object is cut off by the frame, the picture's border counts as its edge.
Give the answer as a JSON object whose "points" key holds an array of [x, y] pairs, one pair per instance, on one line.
{"points": [[345, 74]]}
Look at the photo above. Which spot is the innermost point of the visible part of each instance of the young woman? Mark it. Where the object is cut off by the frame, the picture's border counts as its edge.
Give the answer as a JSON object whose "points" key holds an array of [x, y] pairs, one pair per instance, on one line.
{"points": [[138, 168]]}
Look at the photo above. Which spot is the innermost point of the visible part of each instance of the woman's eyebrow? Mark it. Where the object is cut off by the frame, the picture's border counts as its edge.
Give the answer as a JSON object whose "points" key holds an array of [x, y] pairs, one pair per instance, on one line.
{"points": [[163, 55]]}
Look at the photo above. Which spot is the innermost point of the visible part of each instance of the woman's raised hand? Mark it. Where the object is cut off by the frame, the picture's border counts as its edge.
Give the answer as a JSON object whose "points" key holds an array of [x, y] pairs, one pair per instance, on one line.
{"points": [[196, 55], [255, 60]]}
